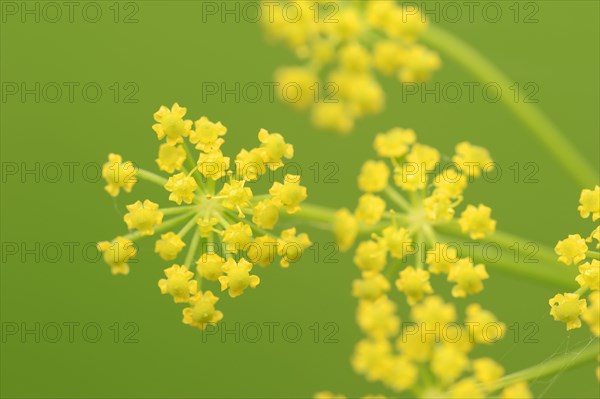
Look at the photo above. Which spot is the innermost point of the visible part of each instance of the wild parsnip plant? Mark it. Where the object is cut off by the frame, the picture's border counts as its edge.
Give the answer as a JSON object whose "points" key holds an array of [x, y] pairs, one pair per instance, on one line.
{"points": [[404, 243], [231, 228]]}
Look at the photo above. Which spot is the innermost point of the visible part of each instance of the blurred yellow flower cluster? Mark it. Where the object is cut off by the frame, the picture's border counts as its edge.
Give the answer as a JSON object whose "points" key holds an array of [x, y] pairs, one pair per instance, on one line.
{"points": [[429, 355], [574, 250], [342, 45], [231, 227]]}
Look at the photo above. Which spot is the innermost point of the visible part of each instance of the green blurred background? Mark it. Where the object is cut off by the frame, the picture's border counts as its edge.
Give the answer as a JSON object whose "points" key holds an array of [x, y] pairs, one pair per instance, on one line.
{"points": [[168, 54]]}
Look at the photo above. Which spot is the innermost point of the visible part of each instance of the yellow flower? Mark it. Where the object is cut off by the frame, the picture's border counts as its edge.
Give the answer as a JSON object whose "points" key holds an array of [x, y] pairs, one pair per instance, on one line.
{"points": [[274, 148], [207, 135], [348, 26], [171, 124], [405, 23], [394, 143], [410, 176], [402, 374], [207, 226], [415, 345], [451, 182], [467, 278], [372, 358], [291, 246], [328, 395], [332, 116], [354, 58], [345, 229], [432, 313], [397, 241], [370, 288], [182, 188], [448, 363], [595, 235], [370, 257], [589, 275], [467, 388], [567, 308], [472, 159], [590, 203], [210, 266], [487, 371], [236, 196], [373, 176], [378, 318], [592, 314], [370, 209], [387, 56], [477, 221], [423, 156], [118, 175], [202, 310], [518, 390], [170, 158], [117, 253], [297, 85], [290, 194], [237, 236], [178, 283], [265, 214], [571, 250], [439, 207], [419, 63], [169, 246], [441, 258], [414, 283], [213, 164], [483, 326], [143, 216], [249, 165], [262, 251], [238, 277]]}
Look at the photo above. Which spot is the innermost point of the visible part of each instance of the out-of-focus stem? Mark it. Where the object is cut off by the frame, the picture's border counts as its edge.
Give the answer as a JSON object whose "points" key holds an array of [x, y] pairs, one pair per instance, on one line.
{"points": [[540, 125]]}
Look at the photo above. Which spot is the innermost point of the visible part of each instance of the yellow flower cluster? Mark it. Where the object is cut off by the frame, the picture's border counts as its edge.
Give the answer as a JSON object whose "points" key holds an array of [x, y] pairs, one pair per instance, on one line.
{"points": [[403, 204], [213, 196], [343, 44], [432, 192], [571, 307], [429, 356]]}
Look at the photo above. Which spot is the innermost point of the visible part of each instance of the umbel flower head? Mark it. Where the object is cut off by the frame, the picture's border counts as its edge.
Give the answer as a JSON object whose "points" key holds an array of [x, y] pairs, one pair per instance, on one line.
{"points": [[574, 251], [343, 45], [214, 202], [410, 199], [405, 202]]}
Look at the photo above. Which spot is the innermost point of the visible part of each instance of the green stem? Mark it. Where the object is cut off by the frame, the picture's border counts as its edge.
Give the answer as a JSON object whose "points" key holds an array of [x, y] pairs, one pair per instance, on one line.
{"points": [[507, 241], [553, 366], [519, 256], [193, 221], [397, 198], [151, 177], [160, 228], [316, 213], [593, 254], [177, 209], [543, 128], [533, 261], [189, 258]]}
